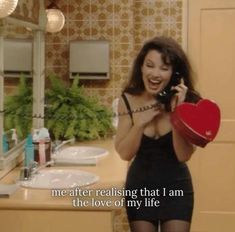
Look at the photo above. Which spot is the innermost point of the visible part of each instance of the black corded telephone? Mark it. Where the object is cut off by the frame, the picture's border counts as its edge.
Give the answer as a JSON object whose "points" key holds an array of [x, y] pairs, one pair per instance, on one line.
{"points": [[164, 97]]}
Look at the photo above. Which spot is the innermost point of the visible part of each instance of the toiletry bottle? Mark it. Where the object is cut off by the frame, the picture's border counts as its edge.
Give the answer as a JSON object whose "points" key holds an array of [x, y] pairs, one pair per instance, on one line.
{"points": [[5, 144], [42, 152], [42, 146], [29, 150], [35, 134], [14, 136]]}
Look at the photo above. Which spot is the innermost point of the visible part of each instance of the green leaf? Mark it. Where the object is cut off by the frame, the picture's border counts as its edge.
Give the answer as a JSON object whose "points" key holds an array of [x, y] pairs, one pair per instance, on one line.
{"points": [[72, 113], [18, 109]]}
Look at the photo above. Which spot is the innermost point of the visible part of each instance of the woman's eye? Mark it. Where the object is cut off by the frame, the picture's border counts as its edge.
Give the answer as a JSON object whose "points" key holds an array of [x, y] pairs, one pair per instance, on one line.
{"points": [[149, 65], [165, 68]]}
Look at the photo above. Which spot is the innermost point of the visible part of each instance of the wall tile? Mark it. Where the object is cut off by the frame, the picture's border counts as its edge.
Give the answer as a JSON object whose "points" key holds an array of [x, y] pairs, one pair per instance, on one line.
{"points": [[62, 72], [123, 54], [79, 30], [104, 95], [99, 84], [158, 29], [63, 6], [175, 31], [123, 10], [102, 29], [159, 11], [121, 76], [57, 55], [102, 10], [176, 7], [141, 11], [127, 24], [123, 31], [59, 37], [141, 32], [79, 10]]}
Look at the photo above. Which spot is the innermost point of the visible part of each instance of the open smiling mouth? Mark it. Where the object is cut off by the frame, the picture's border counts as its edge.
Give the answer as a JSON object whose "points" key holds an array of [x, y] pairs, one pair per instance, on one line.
{"points": [[154, 84]]}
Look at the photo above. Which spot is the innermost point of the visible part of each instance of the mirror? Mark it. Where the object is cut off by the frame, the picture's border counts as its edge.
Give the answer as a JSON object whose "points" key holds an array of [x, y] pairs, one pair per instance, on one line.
{"points": [[17, 84], [23, 26]]}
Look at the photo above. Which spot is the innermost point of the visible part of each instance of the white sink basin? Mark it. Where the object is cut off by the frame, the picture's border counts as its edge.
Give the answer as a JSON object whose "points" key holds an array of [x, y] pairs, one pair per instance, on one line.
{"points": [[60, 179], [80, 154]]}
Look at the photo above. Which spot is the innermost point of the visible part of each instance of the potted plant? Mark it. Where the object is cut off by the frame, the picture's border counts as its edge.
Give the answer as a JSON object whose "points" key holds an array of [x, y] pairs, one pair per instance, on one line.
{"points": [[18, 109], [71, 113]]}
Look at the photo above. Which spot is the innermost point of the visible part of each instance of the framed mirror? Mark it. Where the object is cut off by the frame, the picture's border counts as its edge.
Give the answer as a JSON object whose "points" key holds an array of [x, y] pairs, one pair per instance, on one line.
{"points": [[18, 81], [24, 30]]}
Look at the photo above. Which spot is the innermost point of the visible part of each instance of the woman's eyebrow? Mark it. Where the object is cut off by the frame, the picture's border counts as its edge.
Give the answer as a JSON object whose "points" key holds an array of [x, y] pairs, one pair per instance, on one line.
{"points": [[162, 64], [149, 60]]}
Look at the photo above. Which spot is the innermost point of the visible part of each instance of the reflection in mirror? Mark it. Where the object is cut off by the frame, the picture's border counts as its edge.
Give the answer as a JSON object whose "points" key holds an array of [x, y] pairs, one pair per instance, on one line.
{"points": [[17, 54], [10, 85], [18, 111]]}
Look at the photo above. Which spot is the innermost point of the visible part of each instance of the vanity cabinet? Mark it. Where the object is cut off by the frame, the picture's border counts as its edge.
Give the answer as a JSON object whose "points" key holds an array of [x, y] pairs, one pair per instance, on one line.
{"points": [[56, 220], [38, 210]]}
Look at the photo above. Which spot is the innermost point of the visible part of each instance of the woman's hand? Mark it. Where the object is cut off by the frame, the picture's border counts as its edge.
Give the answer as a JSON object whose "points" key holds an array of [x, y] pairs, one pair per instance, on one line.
{"points": [[128, 136], [180, 96], [144, 117]]}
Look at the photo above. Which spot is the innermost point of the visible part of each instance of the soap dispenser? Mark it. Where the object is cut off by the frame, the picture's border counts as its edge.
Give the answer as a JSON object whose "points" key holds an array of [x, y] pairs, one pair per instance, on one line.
{"points": [[29, 150], [14, 136]]}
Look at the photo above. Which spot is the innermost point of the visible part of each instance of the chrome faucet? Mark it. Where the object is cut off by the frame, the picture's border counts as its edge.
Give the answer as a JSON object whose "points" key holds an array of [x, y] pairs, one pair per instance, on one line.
{"points": [[28, 172], [59, 146], [39, 167]]}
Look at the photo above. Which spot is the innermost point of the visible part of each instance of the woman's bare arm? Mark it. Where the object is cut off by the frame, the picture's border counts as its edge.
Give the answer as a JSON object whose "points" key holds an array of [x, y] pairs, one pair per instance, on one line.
{"points": [[129, 136]]}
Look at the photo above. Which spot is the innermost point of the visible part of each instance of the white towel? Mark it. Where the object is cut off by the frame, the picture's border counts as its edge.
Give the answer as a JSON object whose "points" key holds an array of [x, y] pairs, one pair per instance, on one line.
{"points": [[7, 189]]}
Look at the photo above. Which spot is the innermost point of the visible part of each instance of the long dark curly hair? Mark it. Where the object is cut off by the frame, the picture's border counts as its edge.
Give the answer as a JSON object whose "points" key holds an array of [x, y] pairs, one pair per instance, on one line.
{"points": [[172, 54]]}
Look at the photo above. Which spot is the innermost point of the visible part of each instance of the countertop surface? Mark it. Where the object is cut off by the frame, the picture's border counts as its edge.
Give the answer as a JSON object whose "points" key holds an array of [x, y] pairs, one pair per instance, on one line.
{"points": [[110, 169]]}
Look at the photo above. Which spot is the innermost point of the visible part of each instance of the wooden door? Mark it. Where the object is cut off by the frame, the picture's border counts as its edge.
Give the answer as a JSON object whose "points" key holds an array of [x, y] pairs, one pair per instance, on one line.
{"points": [[211, 48]]}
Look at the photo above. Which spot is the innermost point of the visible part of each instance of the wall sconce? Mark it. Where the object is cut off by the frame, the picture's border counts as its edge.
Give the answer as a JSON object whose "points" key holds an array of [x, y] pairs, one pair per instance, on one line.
{"points": [[55, 18], [7, 7]]}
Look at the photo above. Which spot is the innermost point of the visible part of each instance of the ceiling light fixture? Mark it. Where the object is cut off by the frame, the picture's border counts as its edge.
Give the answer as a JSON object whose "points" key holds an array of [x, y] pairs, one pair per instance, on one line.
{"points": [[55, 18], [7, 7]]}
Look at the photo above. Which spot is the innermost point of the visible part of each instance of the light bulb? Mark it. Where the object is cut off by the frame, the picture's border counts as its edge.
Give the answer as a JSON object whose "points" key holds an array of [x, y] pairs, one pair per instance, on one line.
{"points": [[55, 20], [7, 7]]}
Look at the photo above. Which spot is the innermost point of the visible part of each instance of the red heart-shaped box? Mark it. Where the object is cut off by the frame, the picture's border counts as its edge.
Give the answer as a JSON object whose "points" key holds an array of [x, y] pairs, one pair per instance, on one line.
{"points": [[197, 123]]}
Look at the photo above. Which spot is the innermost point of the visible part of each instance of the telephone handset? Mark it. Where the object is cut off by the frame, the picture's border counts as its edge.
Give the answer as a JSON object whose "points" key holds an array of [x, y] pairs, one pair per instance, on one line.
{"points": [[164, 97], [167, 93]]}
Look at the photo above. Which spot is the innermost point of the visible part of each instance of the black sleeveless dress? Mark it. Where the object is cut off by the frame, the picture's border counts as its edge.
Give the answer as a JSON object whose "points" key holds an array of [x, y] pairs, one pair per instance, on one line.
{"points": [[160, 184]]}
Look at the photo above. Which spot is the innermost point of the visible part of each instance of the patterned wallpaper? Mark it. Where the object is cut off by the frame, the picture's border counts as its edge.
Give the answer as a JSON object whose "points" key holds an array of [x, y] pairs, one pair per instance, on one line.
{"points": [[125, 23]]}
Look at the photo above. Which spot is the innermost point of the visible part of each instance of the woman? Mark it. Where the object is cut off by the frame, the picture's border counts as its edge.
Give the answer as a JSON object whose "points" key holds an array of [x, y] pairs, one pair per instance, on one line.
{"points": [[158, 172]]}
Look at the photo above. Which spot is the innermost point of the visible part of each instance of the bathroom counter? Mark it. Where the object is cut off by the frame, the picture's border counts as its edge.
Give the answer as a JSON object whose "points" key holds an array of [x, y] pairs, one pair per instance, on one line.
{"points": [[37, 210], [111, 170]]}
